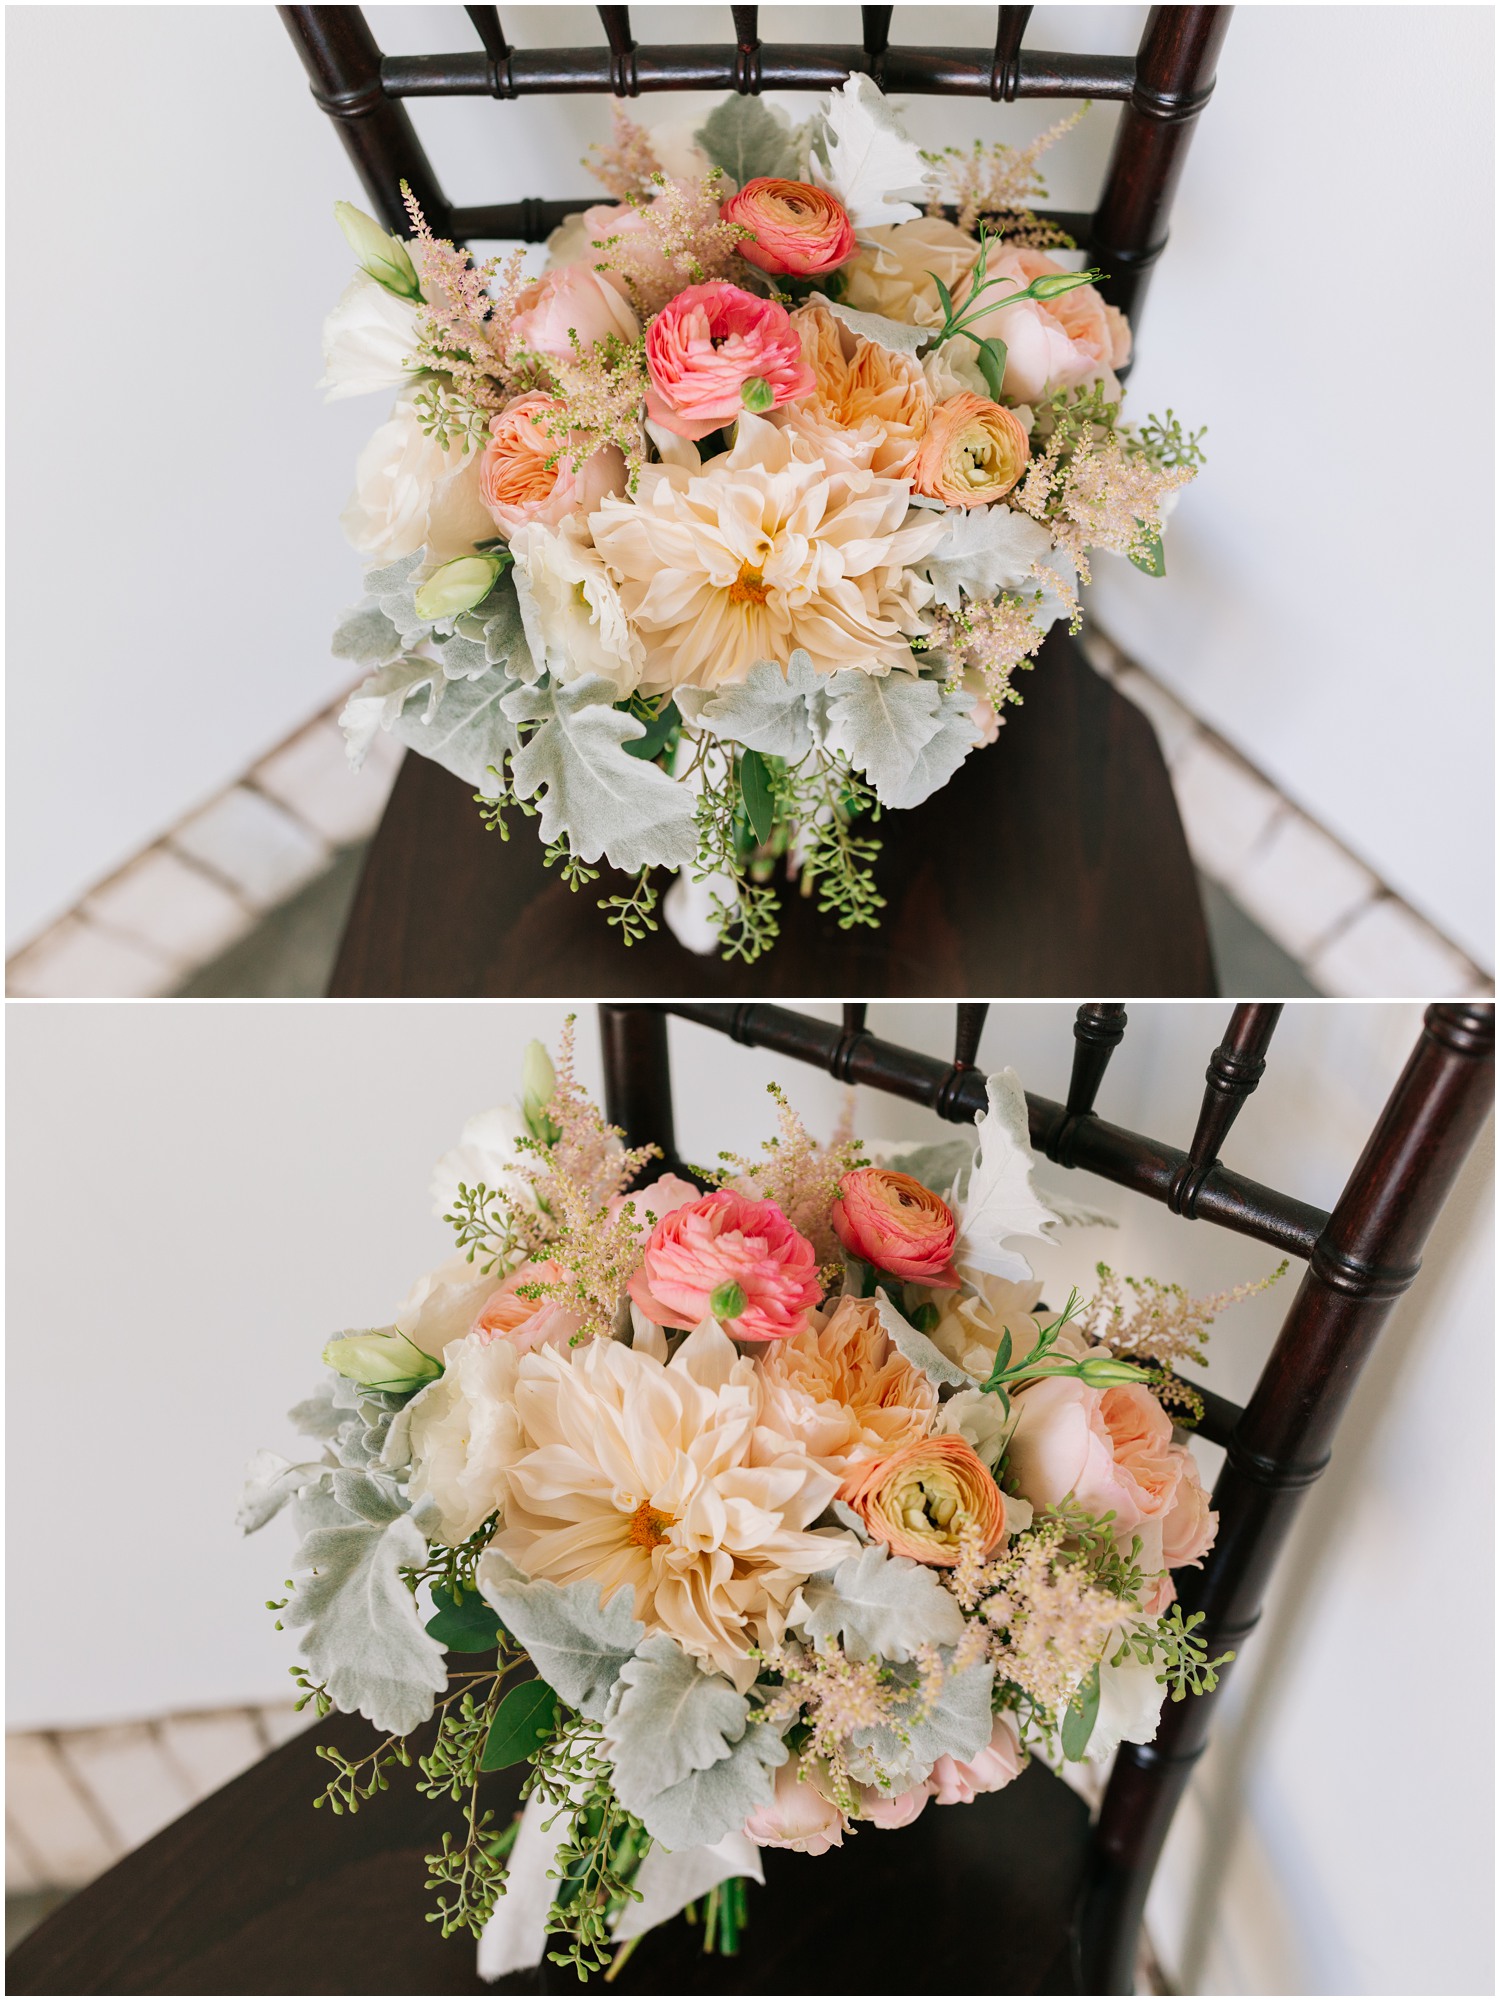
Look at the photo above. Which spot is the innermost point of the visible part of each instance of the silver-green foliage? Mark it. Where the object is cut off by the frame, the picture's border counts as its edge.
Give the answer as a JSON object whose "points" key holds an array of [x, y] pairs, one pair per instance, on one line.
{"points": [[908, 736], [880, 1607], [751, 140], [579, 1644], [668, 1717]]}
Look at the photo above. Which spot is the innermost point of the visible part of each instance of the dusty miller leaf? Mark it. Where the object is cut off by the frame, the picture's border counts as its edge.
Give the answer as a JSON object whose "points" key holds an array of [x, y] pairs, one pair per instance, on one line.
{"points": [[469, 732], [366, 635], [578, 1644], [773, 710], [751, 141], [592, 790], [393, 586], [377, 704], [937, 1166], [705, 1806], [867, 160], [987, 550], [903, 733], [957, 1725], [911, 1343], [884, 1607], [364, 1640], [893, 334], [1002, 1199], [270, 1482], [669, 1717]]}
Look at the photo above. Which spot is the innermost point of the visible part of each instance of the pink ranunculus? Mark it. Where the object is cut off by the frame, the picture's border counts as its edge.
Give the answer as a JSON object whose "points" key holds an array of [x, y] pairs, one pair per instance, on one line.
{"points": [[1190, 1525], [959, 1781], [521, 478], [898, 1812], [507, 1315], [716, 351], [660, 1197], [1110, 1449], [1050, 343], [796, 229], [742, 1254], [797, 1816], [897, 1225], [571, 300]]}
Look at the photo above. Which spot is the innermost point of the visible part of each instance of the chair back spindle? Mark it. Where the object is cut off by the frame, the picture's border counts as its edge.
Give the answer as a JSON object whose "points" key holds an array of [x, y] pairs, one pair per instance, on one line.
{"points": [[1360, 1258]]}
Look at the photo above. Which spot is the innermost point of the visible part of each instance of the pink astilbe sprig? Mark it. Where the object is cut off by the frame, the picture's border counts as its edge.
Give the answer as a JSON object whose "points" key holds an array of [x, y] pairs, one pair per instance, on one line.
{"points": [[1098, 495], [996, 638], [628, 163], [676, 238], [1050, 1619], [466, 308], [1146, 1318], [603, 392], [799, 1175], [998, 183]]}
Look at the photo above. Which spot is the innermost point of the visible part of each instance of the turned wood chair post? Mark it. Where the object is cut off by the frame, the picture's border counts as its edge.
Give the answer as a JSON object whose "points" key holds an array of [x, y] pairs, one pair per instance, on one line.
{"points": [[342, 60], [1174, 79], [1363, 1261], [638, 1078]]}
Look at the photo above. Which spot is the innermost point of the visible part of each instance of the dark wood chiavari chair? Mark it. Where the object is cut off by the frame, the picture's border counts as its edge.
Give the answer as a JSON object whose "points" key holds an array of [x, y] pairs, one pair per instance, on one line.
{"points": [[1071, 816], [252, 1892]]}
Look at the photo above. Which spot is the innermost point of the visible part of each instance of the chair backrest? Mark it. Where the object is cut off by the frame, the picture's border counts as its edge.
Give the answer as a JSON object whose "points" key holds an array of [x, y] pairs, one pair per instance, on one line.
{"points": [[1163, 87], [1359, 1259]]}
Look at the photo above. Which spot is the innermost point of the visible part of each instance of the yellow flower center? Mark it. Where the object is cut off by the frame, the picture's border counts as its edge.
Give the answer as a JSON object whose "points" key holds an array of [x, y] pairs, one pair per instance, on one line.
{"points": [[749, 587], [648, 1529]]}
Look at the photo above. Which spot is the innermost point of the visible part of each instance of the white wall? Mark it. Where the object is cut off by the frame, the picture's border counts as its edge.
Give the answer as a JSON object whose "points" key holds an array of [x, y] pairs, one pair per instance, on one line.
{"points": [[176, 561], [200, 1194]]}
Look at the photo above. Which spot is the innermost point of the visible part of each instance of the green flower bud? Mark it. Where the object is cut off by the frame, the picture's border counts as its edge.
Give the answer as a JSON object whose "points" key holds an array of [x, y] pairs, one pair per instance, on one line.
{"points": [[728, 1302], [384, 257], [538, 1083], [1054, 285], [458, 586], [382, 1359], [757, 394], [1103, 1372]]}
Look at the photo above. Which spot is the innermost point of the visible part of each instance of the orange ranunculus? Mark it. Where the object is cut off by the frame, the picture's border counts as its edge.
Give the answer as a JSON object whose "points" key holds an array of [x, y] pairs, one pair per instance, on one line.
{"points": [[973, 453], [922, 1500], [897, 1225], [796, 229]]}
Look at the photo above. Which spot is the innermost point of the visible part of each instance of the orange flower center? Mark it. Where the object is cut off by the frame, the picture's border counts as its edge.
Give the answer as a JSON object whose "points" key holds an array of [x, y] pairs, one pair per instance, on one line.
{"points": [[749, 587], [648, 1529]]}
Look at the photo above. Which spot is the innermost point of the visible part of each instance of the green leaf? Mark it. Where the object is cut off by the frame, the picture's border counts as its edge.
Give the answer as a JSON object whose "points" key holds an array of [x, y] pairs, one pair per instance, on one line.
{"points": [[659, 731], [526, 1716], [1002, 1355], [1080, 1716], [1151, 557], [992, 355], [944, 295], [755, 789], [464, 1625]]}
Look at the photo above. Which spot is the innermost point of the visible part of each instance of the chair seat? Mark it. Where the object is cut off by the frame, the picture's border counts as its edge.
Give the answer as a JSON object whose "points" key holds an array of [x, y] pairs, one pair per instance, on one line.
{"points": [[253, 1892], [1053, 863]]}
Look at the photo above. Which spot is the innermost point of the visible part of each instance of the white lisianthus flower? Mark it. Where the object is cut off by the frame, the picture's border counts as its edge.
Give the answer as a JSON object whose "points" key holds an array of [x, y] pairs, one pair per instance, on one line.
{"points": [[409, 494], [461, 1432], [575, 623], [486, 1152], [443, 1304], [1130, 1701], [953, 370], [368, 340]]}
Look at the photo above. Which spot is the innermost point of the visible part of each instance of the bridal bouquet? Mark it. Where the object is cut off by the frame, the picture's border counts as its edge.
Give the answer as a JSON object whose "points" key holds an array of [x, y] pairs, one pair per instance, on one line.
{"points": [[735, 526], [758, 1513]]}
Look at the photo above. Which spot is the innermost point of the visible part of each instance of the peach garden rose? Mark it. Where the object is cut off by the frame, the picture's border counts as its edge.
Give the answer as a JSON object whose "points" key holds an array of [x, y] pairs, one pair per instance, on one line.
{"points": [[1110, 1449], [526, 1323], [526, 472], [897, 1225], [1077, 337]]}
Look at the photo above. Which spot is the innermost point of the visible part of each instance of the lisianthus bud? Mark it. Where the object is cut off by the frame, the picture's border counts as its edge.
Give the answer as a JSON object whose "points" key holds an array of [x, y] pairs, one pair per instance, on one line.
{"points": [[457, 586], [538, 1084], [382, 1360], [1053, 287], [382, 255], [1103, 1372]]}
